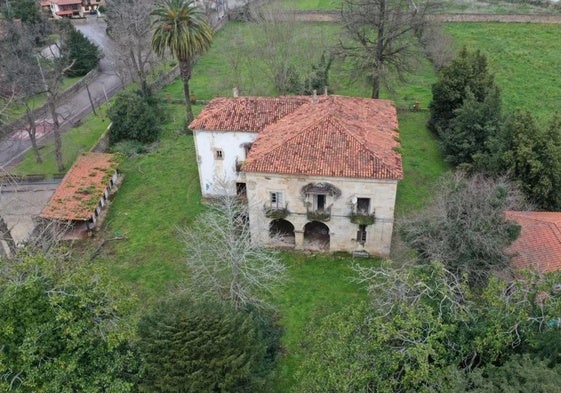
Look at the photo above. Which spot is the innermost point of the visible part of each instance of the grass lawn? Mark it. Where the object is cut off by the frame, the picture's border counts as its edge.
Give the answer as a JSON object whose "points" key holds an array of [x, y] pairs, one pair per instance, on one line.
{"points": [[526, 59], [74, 142]]}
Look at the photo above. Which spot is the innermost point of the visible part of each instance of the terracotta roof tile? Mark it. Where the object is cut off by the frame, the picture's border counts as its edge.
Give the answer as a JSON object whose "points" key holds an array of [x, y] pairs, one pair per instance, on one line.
{"points": [[539, 243], [337, 136], [81, 188], [245, 113], [67, 2]]}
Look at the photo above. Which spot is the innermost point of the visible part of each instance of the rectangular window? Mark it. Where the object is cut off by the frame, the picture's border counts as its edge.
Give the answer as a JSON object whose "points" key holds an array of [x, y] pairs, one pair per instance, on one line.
{"points": [[361, 234], [219, 154], [363, 205], [319, 201], [276, 200]]}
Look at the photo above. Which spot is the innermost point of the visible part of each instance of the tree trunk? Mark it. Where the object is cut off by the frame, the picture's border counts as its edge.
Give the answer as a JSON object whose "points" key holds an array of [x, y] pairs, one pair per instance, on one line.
{"points": [[376, 87], [56, 133], [379, 55], [6, 235], [32, 132], [185, 69]]}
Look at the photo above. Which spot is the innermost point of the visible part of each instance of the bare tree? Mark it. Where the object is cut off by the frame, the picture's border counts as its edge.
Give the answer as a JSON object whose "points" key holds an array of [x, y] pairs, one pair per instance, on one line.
{"points": [[52, 68], [129, 26], [464, 226], [223, 260], [19, 76], [380, 38]]}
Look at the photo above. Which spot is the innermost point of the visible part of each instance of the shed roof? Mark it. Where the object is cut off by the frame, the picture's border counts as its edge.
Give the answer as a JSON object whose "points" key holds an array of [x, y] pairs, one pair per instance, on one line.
{"points": [[82, 188], [539, 243]]}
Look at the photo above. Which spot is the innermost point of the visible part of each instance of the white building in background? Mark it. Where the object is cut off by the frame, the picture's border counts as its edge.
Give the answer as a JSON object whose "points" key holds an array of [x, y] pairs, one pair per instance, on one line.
{"points": [[321, 172]]}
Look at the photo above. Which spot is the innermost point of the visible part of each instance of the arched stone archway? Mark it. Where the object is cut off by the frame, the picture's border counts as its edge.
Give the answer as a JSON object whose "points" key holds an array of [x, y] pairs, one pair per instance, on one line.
{"points": [[282, 231], [316, 236]]}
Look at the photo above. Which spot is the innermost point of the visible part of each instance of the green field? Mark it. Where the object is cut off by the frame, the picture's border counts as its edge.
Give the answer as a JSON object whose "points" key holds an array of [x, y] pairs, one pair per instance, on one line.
{"points": [[526, 59]]}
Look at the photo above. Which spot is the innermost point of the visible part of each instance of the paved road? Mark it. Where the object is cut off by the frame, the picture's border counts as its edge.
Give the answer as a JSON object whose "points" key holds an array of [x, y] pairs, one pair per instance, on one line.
{"points": [[105, 85]]}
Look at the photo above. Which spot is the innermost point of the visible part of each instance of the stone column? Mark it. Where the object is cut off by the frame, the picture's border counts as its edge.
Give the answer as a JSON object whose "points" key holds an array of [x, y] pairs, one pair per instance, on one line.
{"points": [[299, 240]]}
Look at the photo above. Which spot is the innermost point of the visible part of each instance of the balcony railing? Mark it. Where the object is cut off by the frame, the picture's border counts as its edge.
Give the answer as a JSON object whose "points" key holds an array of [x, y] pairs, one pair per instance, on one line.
{"points": [[276, 212], [319, 214], [362, 218]]}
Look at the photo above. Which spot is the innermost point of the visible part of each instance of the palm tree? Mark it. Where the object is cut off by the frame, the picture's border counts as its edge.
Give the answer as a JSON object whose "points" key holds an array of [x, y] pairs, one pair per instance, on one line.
{"points": [[182, 28]]}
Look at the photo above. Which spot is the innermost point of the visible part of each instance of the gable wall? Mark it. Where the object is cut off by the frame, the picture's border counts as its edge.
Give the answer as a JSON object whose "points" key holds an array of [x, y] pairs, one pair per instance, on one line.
{"points": [[219, 176]]}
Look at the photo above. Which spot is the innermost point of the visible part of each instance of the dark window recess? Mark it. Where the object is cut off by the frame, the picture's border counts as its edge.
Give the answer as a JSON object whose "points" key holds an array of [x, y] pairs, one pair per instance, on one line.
{"points": [[361, 234], [363, 205], [219, 154], [320, 202], [241, 189]]}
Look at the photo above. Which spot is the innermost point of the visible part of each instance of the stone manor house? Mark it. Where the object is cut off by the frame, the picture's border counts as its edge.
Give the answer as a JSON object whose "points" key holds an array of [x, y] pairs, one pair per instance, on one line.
{"points": [[318, 172]]}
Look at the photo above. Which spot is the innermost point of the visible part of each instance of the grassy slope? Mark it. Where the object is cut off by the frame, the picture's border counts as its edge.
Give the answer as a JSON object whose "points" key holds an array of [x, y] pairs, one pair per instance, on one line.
{"points": [[526, 59]]}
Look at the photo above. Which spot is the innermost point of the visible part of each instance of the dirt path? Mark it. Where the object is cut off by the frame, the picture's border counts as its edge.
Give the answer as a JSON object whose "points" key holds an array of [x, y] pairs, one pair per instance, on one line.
{"points": [[331, 16]]}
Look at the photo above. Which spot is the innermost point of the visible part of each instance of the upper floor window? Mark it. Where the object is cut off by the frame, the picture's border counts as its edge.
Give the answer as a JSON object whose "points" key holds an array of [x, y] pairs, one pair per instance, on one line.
{"points": [[276, 199], [219, 154], [363, 205], [319, 201]]}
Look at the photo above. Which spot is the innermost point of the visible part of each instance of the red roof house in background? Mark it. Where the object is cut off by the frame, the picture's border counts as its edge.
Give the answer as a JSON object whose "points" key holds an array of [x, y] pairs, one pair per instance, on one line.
{"points": [[539, 245]]}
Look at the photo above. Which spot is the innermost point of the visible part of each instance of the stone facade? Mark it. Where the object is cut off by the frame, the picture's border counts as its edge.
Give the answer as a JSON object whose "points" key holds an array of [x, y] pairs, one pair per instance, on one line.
{"points": [[342, 232]]}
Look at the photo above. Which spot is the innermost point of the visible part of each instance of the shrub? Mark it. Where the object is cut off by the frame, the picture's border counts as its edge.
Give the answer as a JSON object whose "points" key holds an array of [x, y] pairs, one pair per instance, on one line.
{"points": [[134, 117]]}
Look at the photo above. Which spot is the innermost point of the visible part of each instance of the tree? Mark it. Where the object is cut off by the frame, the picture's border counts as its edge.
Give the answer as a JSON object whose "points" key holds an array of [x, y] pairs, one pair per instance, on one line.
{"points": [[26, 10], [464, 226], [474, 125], [467, 74], [201, 347], [223, 261], [380, 37], [61, 328], [83, 54], [423, 330], [181, 27], [19, 78], [134, 117], [129, 25], [532, 156]]}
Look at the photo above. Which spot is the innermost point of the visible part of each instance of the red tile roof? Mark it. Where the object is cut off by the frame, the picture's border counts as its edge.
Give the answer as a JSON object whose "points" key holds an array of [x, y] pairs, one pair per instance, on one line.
{"points": [[67, 2], [337, 136], [82, 188], [250, 114], [539, 243]]}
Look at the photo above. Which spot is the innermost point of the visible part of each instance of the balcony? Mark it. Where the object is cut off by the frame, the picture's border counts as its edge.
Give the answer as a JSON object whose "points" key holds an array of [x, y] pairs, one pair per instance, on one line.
{"points": [[319, 214], [275, 212], [362, 218]]}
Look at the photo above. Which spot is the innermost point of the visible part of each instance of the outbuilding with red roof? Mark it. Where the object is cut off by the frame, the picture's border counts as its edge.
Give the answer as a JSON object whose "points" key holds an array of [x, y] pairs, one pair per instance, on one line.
{"points": [[84, 190]]}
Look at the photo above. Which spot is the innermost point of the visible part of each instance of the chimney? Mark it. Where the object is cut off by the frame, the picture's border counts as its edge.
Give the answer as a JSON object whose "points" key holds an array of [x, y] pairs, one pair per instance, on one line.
{"points": [[315, 97], [236, 92], [325, 90]]}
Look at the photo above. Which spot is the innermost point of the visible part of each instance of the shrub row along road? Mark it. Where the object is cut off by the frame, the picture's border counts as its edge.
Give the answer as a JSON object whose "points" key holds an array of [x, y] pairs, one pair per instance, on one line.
{"points": [[74, 109]]}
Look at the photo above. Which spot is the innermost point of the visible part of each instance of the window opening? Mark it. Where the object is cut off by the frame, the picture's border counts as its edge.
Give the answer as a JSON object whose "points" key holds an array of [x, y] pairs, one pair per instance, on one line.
{"points": [[361, 234], [363, 205]]}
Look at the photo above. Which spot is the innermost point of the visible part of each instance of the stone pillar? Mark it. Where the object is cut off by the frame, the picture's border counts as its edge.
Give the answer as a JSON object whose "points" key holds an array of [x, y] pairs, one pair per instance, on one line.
{"points": [[299, 240]]}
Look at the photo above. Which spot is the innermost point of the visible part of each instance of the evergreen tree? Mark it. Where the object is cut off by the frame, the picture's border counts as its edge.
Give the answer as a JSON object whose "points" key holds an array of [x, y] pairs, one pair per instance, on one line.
{"points": [[82, 52], [26, 10], [134, 117], [532, 156], [467, 76], [61, 329], [201, 347]]}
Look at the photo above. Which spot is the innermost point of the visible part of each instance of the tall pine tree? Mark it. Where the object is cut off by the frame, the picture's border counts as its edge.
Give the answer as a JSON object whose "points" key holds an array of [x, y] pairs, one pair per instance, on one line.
{"points": [[82, 52]]}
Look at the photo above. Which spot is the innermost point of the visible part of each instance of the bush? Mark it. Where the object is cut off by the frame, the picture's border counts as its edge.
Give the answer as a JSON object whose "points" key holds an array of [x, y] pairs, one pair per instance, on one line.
{"points": [[82, 52], [134, 117], [189, 346]]}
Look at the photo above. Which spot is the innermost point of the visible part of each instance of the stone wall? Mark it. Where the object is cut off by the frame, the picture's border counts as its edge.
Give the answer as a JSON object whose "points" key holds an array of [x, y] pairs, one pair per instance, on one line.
{"points": [[341, 230]]}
